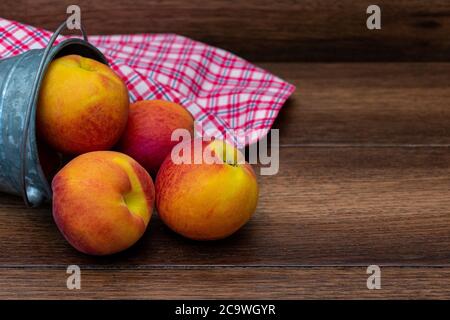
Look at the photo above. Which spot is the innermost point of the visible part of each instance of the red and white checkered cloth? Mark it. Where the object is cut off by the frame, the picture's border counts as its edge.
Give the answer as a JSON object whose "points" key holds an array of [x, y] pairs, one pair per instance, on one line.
{"points": [[223, 92]]}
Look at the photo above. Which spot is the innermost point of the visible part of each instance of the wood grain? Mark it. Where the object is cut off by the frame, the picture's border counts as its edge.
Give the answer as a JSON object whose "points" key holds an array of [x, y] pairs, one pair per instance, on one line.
{"points": [[326, 206], [262, 30], [220, 283], [365, 104]]}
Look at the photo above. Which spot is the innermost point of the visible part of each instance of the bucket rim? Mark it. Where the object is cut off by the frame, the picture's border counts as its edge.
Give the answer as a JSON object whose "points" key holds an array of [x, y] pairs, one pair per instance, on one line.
{"points": [[72, 41]]}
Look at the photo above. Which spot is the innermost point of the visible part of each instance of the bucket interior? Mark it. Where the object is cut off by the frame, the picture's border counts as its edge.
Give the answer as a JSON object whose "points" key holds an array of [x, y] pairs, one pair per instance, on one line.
{"points": [[80, 49]]}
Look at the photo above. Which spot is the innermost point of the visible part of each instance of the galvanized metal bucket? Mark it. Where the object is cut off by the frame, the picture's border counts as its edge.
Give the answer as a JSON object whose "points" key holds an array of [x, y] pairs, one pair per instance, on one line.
{"points": [[20, 80]]}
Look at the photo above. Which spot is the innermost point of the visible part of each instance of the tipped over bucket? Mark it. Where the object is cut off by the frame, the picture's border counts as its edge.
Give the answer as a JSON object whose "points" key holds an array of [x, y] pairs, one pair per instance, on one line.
{"points": [[20, 81]]}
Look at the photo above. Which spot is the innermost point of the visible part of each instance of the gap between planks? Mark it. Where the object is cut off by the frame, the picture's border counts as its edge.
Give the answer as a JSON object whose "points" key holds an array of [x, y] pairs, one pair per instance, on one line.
{"points": [[362, 145], [220, 266]]}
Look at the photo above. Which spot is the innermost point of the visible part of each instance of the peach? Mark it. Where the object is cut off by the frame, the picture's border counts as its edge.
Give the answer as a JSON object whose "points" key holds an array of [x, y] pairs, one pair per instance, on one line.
{"points": [[206, 201], [147, 137], [83, 106], [102, 202]]}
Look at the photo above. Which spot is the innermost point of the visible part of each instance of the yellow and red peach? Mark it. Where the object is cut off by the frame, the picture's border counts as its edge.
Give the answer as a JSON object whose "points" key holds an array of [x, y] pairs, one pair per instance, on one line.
{"points": [[206, 201], [83, 106], [102, 202], [147, 137]]}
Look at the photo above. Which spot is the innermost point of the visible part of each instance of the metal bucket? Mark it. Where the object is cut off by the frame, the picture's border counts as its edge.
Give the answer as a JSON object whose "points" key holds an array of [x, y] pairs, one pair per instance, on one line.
{"points": [[20, 80]]}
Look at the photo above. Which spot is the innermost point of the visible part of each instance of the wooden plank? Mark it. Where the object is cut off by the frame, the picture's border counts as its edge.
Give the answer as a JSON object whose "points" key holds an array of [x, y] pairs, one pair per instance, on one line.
{"points": [[326, 206], [261, 30], [220, 283], [365, 104]]}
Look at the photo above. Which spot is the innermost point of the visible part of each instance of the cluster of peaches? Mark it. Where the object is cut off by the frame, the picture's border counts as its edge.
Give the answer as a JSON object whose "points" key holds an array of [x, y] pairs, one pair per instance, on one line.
{"points": [[110, 152]]}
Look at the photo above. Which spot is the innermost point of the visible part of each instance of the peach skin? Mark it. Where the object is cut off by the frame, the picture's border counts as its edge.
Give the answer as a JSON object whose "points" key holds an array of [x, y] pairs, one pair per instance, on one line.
{"points": [[102, 202], [83, 106], [206, 201], [147, 137]]}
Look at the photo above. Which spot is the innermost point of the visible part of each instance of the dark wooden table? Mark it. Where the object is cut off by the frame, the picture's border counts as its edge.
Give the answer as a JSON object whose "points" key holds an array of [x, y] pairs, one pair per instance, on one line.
{"points": [[364, 179]]}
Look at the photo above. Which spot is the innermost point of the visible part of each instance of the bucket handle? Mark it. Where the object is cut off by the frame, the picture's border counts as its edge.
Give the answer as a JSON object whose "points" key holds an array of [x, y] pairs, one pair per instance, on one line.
{"points": [[32, 101]]}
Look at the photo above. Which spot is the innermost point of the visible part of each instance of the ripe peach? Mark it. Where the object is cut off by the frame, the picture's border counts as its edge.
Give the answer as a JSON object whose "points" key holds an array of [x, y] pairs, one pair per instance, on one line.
{"points": [[206, 201], [147, 137], [83, 106], [102, 202]]}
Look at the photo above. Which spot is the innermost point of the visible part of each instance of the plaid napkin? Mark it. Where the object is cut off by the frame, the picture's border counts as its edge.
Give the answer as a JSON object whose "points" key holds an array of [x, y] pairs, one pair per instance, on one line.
{"points": [[224, 93]]}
